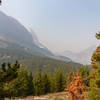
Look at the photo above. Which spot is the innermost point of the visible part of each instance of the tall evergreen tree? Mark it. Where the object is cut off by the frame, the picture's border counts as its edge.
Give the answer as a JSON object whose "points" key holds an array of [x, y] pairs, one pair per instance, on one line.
{"points": [[94, 93], [20, 86], [84, 72], [31, 90], [15, 81], [52, 84], [38, 84], [60, 81], [7, 74], [45, 84]]}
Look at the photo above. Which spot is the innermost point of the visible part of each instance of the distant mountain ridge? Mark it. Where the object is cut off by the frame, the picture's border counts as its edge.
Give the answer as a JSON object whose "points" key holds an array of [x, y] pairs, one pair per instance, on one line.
{"points": [[83, 57]]}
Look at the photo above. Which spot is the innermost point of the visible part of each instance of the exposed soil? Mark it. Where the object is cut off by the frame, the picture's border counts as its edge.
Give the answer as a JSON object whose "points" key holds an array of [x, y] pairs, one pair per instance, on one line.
{"points": [[54, 96]]}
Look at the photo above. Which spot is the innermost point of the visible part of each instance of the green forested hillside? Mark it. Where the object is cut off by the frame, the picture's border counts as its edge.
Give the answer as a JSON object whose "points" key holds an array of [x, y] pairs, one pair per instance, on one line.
{"points": [[49, 65], [35, 62], [12, 52]]}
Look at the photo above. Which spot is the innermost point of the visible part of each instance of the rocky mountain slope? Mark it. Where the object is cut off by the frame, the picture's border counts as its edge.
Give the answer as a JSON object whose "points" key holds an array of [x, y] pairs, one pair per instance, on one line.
{"points": [[11, 30]]}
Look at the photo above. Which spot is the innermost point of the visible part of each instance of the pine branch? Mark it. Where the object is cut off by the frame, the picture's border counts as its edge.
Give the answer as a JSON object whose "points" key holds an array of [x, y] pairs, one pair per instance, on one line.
{"points": [[98, 35]]}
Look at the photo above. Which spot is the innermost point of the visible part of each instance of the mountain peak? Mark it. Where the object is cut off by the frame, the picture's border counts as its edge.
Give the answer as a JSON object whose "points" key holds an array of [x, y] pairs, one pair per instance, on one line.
{"points": [[14, 31]]}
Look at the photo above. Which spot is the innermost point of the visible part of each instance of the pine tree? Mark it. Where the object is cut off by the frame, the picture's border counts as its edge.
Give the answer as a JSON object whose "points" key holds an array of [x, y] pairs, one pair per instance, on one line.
{"points": [[20, 87], [84, 72], [38, 84], [94, 93], [60, 81], [52, 84], [7, 75], [45, 84], [30, 84], [15, 81], [98, 35]]}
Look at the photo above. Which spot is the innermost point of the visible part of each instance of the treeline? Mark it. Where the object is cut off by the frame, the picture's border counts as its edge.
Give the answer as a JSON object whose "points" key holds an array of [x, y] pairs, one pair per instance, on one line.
{"points": [[17, 81], [49, 65], [44, 83]]}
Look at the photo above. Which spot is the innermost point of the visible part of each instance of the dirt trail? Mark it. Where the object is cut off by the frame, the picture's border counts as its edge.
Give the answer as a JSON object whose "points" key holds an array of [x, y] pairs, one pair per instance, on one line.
{"points": [[54, 96]]}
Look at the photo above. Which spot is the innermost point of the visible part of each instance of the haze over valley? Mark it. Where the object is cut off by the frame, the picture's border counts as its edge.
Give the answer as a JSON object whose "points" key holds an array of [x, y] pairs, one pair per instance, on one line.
{"points": [[27, 39]]}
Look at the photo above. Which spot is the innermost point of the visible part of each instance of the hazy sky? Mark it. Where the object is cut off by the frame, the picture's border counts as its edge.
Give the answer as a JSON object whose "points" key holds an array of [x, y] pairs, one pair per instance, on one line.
{"points": [[59, 24]]}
